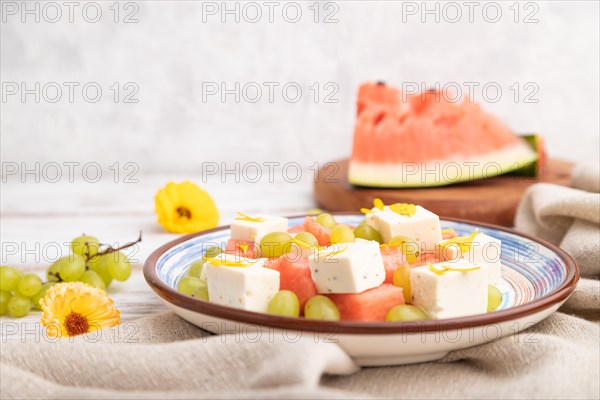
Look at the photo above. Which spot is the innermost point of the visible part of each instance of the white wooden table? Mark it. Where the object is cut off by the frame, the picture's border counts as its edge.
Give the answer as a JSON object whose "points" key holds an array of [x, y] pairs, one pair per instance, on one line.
{"points": [[38, 220]]}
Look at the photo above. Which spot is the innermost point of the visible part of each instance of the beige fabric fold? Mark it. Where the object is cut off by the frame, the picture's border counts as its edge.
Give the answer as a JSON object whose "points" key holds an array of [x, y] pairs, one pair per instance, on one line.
{"points": [[167, 357]]}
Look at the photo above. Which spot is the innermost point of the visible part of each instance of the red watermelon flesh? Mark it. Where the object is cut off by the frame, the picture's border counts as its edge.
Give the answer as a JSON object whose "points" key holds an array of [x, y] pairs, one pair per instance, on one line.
{"points": [[378, 95], [294, 275], [296, 229], [448, 235], [393, 258], [398, 138], [322, 234], [241, 248], [370, 305]]}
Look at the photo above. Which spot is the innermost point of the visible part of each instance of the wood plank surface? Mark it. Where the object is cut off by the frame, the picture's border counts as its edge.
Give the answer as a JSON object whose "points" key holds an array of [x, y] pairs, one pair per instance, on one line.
{"points": [[39, 219]]}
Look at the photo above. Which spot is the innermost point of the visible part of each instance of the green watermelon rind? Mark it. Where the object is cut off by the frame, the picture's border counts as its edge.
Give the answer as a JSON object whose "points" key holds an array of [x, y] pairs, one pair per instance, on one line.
{"points": [[532, 169], [441, 172]]}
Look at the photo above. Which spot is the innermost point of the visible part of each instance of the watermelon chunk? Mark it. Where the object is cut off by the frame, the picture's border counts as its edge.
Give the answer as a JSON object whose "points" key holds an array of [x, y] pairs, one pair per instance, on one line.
{"points": [[294, 275], [370, 305], [296, 229], [449, 234], [429, 139], [241, 247], [393, 258], [322, 234]]}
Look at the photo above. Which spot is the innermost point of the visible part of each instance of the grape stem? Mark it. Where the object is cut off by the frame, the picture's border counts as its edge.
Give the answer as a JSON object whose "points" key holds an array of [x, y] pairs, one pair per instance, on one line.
{"points": [[56, 275], [110, 249]]}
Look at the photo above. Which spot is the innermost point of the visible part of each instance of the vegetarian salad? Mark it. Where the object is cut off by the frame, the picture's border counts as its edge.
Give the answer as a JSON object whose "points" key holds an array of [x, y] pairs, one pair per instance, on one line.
{"points": [[396, 265]]}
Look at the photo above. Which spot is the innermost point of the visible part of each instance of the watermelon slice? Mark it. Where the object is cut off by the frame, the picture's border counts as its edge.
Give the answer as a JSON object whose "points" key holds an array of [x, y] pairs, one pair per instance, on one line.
{"points": [[241, 247], [294, 275], [370, 305], [426, 140], [536, 168], [322, 234]]}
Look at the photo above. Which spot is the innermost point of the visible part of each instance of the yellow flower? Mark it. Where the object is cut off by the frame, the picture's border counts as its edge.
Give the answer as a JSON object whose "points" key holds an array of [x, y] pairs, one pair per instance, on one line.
{"points": [[185, 208], [74, 308]]}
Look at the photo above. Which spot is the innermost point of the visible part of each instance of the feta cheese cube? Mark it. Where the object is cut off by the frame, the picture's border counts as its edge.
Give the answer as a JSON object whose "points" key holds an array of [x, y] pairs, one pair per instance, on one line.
{"points": [[423, 227], [450, 294], [484, 251], [253, 231], [347, 267], [225, 257], [249, 287]]}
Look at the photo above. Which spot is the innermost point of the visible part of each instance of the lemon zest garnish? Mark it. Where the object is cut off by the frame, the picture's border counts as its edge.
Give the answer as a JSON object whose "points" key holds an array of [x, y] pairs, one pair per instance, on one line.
{"points": [[404, 248], [464, 243], [302, 244], [462, 269], [336, 252], [218, 262], [449, 230], [404, 209], [365, 211], [435, 269], [243, 247], [327, 253], [305, 245], [244, 217], [443, 268], [378, 203]]}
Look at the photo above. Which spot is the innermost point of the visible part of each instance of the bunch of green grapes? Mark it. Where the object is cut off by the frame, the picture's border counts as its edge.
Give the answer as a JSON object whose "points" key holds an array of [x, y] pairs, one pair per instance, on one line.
{"points": [[20, 292], [88, 263]]}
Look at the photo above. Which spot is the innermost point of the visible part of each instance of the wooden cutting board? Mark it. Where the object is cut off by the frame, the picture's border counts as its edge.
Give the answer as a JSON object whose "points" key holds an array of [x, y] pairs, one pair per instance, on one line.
{"points": [[493, 200]]}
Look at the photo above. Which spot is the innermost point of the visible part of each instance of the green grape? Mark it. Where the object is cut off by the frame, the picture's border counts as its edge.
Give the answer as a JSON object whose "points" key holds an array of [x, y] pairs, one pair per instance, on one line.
{"points": [[4, 298], [275, 244], [402, 279], [53, 272], [196, 269], [29, 285], [101, 268], [93, 278], [19, 306], [342, 234], [201, 293], [321, 307], [307, 237], [285, 302], [188, 284], [71, 267], [117, 265], [408, 246], [40, 295], [86, 246], [367, 232], [212, 252], [9, 278], [405, 312], [326, 220], [494, 298]]}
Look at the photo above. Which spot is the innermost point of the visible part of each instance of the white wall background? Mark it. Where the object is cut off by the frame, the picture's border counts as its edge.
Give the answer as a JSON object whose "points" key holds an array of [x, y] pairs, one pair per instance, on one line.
{"points": [[170, 52]]}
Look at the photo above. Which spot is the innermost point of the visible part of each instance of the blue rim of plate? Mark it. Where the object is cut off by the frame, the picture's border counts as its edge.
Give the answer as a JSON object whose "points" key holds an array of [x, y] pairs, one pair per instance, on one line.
{"points": [[551, 279]]}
